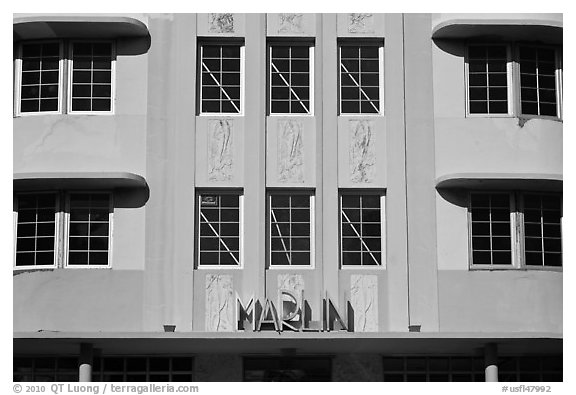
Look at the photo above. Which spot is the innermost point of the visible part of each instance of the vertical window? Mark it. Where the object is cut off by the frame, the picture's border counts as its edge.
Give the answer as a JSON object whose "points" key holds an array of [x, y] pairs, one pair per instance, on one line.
{"points": [[360, 79], [291, 79], [491, 229], [221, 78], [91, 77], [538, 81], [89, 228], [542, 230], [220, 236], [488, 79], [40, 77], [36, 231], [361, 230], [290, 229]]}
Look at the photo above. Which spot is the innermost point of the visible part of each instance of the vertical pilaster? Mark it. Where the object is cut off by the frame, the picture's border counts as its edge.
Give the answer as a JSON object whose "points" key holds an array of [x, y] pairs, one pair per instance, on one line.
{"points": [[327, 146], [420, 173], [396, 234], [255, 157], [170, 173]]}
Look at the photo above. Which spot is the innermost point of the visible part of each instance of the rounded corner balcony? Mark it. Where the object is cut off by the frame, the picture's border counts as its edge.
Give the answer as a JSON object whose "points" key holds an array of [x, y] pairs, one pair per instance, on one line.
{"points": [[118, 181], [501, 181], [545, 28], [34, 27]]}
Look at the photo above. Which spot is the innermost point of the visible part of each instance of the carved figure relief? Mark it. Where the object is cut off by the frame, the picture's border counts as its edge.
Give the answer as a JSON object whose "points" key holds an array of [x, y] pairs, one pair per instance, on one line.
{"points": [[221, 23], [290, 23], [290, 151], [361, 23], [219, 303], [364, 301], [220, 150], [361, 151]]}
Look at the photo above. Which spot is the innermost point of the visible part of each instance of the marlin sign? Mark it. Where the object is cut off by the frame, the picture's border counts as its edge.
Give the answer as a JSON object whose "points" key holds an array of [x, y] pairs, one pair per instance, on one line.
{"points": [[291, 312]]}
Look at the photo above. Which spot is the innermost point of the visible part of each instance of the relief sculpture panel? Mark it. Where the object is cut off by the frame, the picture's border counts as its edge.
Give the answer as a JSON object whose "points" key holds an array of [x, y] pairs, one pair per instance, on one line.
{"points": [[290, 23], [364, 301], [219, 303], [361, 23], [221, 23], [220, 150], [361, 151], [290, 151]]}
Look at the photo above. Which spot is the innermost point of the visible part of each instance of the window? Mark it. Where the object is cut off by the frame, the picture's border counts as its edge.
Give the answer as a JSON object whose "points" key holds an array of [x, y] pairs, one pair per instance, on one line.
{"points": [[91, 77], [488, 79], [361, 229], [221, 78], [291, 224], [36, 230], [143, 369], [433, 369], [40, 77], [220, 236], [89, 70], [516, 229], [361, 78], [88, 229], [264, 369], [86, 222], [291, 79], [514, 80], [45, 369]]}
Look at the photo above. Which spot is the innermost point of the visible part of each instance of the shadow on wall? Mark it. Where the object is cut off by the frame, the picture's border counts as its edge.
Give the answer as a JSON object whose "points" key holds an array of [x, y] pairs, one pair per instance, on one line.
{"points": [[453, 47], [133, 46], [457, 197]]}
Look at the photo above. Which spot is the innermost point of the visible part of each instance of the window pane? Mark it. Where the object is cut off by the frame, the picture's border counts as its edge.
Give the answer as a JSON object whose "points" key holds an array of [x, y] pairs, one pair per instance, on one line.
{"points": [[220, 230], [290, 78]]}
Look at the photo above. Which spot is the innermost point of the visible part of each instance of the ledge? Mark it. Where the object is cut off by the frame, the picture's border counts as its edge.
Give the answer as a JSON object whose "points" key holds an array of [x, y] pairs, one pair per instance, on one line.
{"points": [[545, 31], [78, 180], [389, 343], [501, 181], [77, 26]]}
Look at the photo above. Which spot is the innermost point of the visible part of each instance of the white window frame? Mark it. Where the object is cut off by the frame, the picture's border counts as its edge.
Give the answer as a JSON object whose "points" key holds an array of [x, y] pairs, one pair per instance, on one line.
{"points": [[242, 78], [312, 198], [240, 195], [381, 90], [70, 72], [18, 79], [514, 83], [57, 231], [310, 46], [382, 265], [66, 249], [62, 219], [557, 75], [509, 81], [517, 235], [64, 79]]}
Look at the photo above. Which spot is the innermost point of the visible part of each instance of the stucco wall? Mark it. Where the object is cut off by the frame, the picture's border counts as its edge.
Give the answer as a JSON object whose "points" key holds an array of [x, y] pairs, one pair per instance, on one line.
{"points": [[78, 300], [500, 301]]}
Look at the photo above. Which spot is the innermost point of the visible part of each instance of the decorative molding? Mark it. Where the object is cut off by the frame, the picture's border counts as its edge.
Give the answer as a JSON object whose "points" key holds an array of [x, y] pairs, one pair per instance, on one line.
{"points": [[221, 23], [361, 151], [361, 23], [290, 151], [364, 301], [220, 150], [290, 23], [219, 315], [293, 283]]}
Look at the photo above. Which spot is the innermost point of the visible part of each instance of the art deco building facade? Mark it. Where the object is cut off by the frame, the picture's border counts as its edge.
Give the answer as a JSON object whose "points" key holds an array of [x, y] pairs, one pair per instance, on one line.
{"points": [[215, 197]]}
